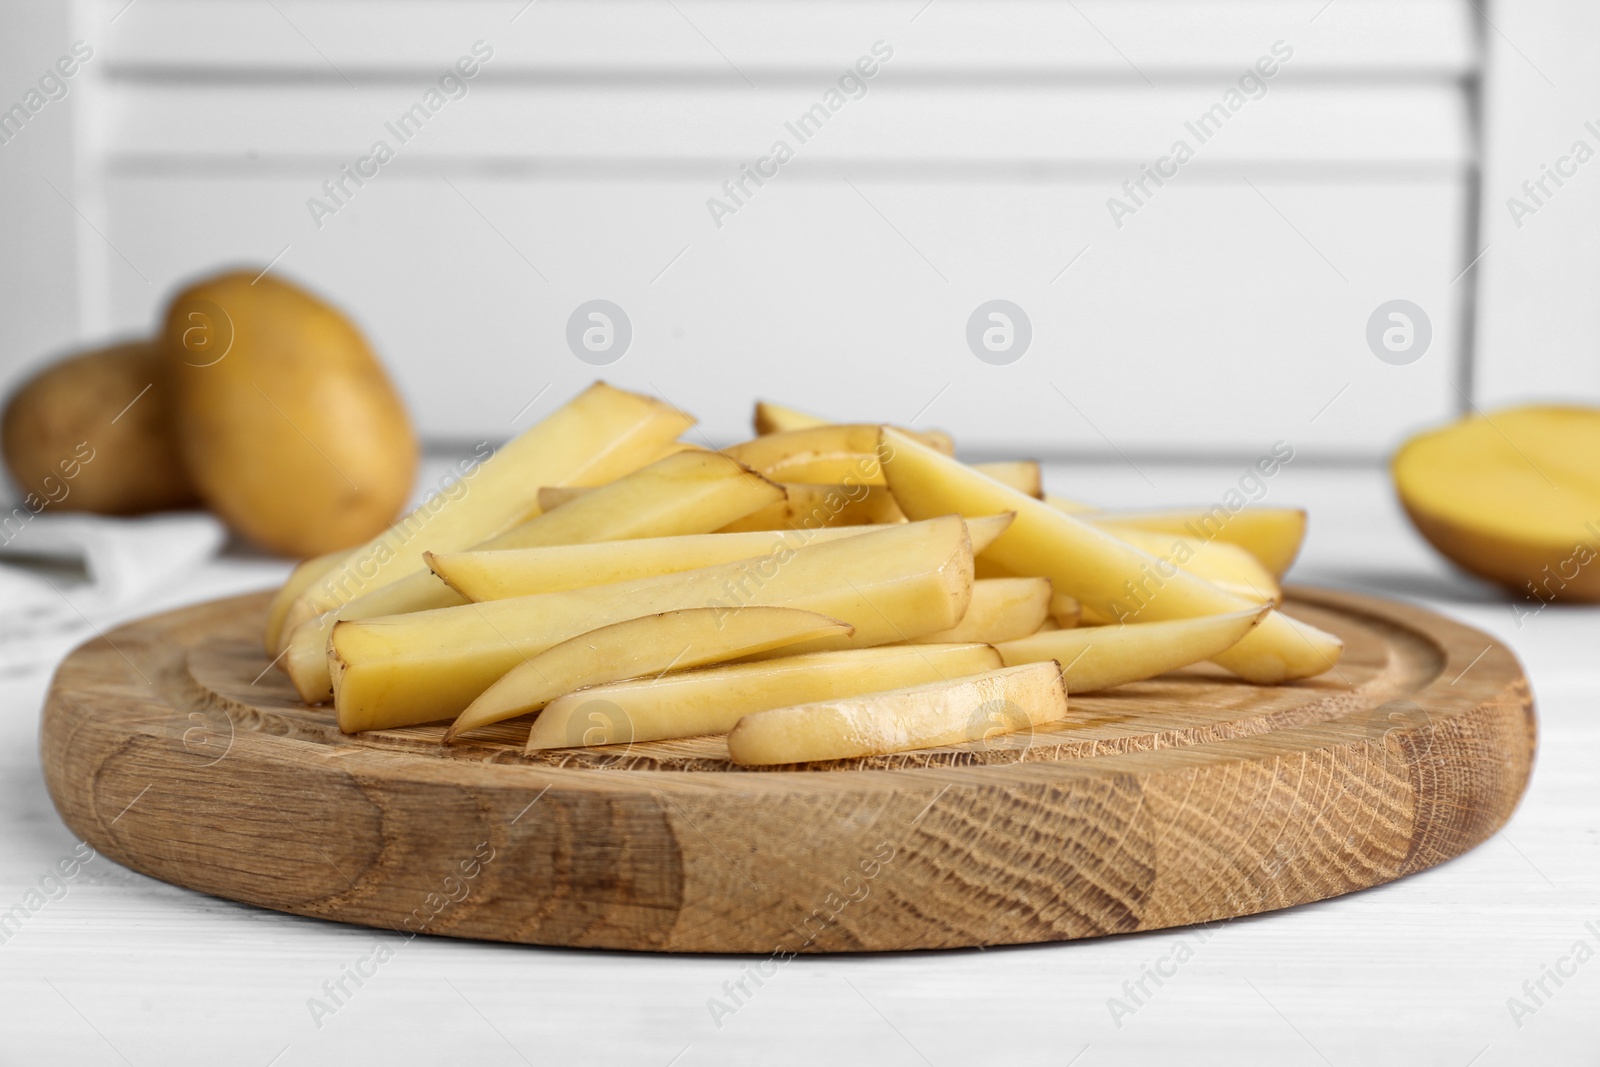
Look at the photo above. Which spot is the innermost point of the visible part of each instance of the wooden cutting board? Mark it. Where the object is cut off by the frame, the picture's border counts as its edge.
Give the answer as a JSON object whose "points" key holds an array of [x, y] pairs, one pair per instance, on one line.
{"points": [[173, 748]]}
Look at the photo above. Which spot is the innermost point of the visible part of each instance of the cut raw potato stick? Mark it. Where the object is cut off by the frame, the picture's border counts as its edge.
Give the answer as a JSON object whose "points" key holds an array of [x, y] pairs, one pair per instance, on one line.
{"points": [[1110, 577], [773, 418], [1100, 657], [834, 454], [1001, 609], [501, 573], [1225, 565], [892, 584], [299, 580], [712, 700], [1271, 535], [601, 434], [686, 493], [813, 507], [1023, 475], [654, 644], [925, 716], [1065, 611]]}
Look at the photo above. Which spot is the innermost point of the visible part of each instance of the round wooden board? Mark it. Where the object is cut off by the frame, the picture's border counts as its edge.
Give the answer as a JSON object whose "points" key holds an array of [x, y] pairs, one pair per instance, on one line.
{"points": [[171, 747]]}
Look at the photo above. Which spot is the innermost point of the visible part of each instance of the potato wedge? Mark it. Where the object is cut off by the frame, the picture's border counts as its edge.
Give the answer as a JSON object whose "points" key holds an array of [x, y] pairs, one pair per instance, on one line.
{"points": [[832, 454], [1221, 564], [712, 700], [892, 584], [1271, 535], [1001, 609], [600, 434], [551, 497], [1100, 657], [688, 492], [812, 507], [500, 573], [1110, 577], [299, 580], [651, 645], [1023, 475], [773, 418], [1065, 611], [899, 720]]}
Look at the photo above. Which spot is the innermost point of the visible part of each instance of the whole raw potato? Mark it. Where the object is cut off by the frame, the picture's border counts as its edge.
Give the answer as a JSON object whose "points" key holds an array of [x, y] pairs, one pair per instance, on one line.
{"points": [[289, 425], [94, 433]]}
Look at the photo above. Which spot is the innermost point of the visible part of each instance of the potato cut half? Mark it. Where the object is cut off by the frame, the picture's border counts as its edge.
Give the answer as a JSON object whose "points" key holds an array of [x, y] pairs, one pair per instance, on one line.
{"points": [[600, 434], [899, 720], [1023, 475], [774, 418], [685, 493], [1513, 497], [1110, 577], [1271, 535], [712, 700], [813, 507], [1001, 609], [500, 573], [1099, 657], [653, 644], [892, 584]]}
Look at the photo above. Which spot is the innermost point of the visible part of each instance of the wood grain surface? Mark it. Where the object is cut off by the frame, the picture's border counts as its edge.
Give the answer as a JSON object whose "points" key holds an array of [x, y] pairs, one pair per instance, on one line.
{"points": [[171, 746]]}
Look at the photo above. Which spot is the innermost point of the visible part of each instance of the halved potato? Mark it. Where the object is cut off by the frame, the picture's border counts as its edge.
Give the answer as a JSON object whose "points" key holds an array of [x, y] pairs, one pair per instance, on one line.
{"points": [[653, 644], [1100, 657], [899, 720], [712, 700], [1512, 497], [1110, 577], [892, 584], [1001, 609]]}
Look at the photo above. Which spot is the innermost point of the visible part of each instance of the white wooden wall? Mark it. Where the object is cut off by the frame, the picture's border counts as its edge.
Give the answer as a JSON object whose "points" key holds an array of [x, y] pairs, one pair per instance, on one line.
{"points": [[1228, 312]]}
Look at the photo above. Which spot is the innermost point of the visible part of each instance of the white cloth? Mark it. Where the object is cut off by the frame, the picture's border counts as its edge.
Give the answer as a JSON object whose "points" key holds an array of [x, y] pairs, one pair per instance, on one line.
{"points": [[66, 574]]}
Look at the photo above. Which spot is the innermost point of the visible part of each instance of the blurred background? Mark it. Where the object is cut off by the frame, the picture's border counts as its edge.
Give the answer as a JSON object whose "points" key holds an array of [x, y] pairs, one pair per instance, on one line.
{"points": [[984, 159]]}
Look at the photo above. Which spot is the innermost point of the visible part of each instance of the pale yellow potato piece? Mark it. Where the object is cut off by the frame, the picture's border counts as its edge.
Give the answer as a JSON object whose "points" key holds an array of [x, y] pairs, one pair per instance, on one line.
{"points": [[600, 434], [1107, 575], [1065, 611], [814, 507], [653, 644], [712, 700], [892, 584], [685, 493], [299, 580], [1023, 475], [1099, 657], [774, 418], [1221, 564], [500, 573], [1271, 535], [1067, 506], [833, 454], [899, 720], [1001, 609], [553, 496]]}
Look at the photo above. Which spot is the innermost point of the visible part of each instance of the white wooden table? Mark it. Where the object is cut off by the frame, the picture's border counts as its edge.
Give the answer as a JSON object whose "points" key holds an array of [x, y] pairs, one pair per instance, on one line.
{"points": [[124, 969]]}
